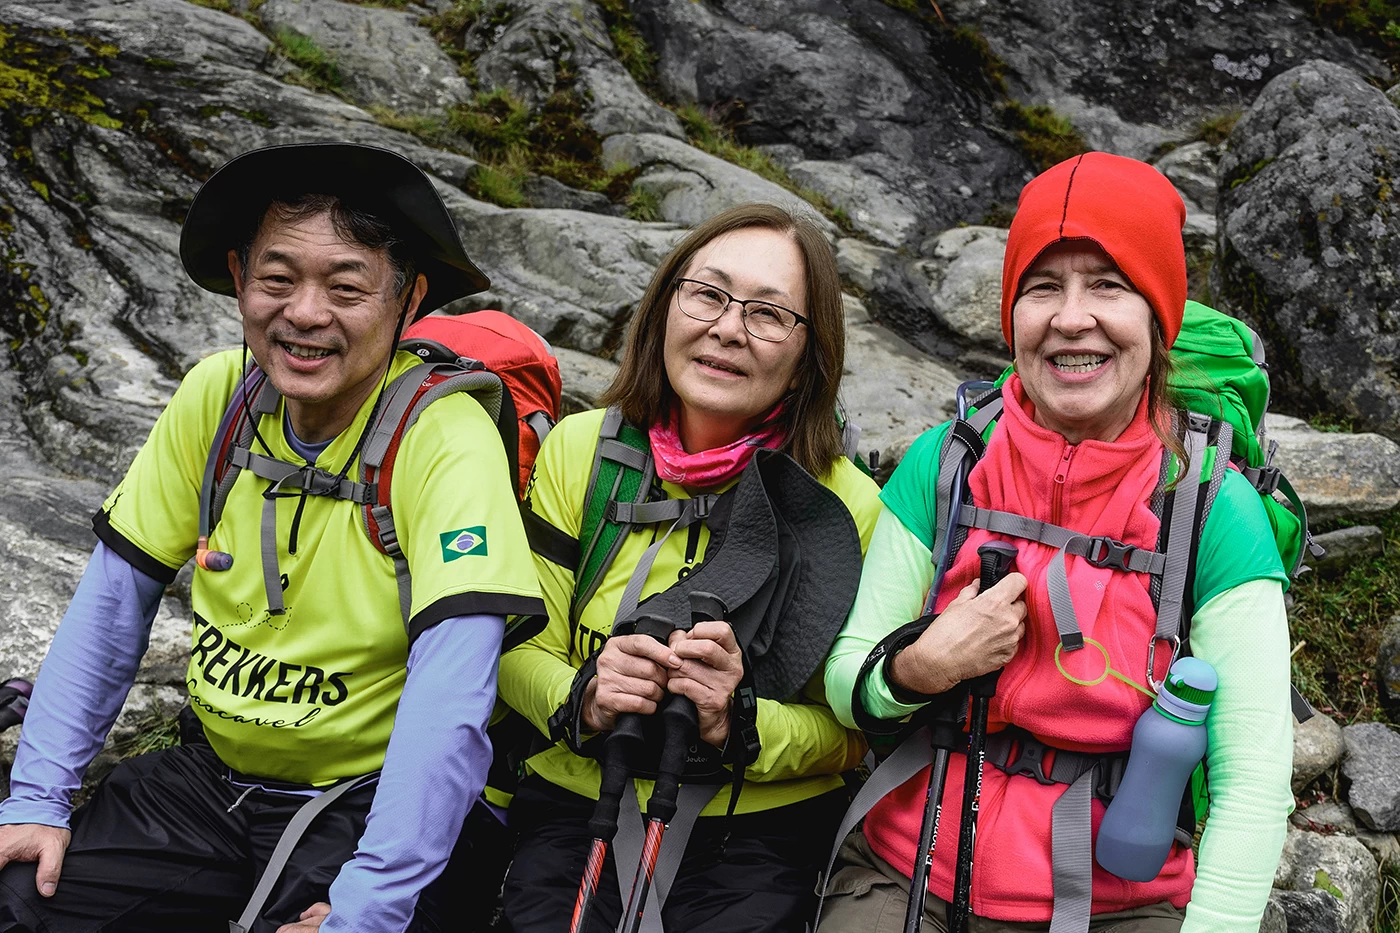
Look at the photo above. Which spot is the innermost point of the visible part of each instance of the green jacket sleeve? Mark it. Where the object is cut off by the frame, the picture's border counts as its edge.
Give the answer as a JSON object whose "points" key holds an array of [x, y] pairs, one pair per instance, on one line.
{"points": [[896, 577], [1243, 633], [802, 740]]}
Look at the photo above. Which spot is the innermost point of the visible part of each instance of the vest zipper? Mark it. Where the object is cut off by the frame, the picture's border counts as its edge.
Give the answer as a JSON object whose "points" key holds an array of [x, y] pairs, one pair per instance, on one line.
{"points": [[1060, 474]]}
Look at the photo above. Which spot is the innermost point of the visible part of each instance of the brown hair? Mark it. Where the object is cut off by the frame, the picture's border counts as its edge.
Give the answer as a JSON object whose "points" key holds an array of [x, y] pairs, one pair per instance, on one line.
{"points": [[1160, 403], [643, 391]]}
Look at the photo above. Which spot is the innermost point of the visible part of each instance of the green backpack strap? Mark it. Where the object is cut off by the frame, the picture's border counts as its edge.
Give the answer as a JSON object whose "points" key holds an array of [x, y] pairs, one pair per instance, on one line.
{"points": [[623, 472]]}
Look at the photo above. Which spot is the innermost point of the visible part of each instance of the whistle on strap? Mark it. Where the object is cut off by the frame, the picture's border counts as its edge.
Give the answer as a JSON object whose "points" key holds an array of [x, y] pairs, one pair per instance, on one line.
{"points": [[216, 561]]}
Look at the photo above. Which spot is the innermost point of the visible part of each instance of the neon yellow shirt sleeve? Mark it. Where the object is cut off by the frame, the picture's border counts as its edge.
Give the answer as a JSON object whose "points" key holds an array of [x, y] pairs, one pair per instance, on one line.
{"points": [[1243, 633], [536, 676]]}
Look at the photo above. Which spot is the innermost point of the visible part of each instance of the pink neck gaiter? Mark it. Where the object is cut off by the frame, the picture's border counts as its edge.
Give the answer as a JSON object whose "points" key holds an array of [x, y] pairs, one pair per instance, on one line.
{"points": [[712, 467]]}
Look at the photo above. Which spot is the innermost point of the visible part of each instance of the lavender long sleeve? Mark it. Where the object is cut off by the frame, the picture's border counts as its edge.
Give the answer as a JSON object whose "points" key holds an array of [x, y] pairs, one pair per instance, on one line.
{"points": [[82, 685], [434, 770]]}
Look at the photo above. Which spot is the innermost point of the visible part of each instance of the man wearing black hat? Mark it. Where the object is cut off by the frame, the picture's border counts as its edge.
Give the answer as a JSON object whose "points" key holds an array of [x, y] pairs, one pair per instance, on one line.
{"points": [[313, 675]]}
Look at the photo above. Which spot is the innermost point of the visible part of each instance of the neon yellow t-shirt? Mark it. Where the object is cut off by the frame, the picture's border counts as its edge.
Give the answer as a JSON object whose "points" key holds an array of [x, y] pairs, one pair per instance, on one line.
{"points": [[804, 747], [309, 696]]}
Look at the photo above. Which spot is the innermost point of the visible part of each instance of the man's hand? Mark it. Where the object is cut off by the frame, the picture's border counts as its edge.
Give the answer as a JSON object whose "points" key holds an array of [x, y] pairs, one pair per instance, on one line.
{"points": [[711, 668], [33, 842], [310, 920], [632, 672]]}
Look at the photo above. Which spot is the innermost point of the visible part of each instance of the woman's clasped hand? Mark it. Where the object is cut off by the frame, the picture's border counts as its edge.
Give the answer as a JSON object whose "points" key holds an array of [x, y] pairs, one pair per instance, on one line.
{"points": [[636, 671]]}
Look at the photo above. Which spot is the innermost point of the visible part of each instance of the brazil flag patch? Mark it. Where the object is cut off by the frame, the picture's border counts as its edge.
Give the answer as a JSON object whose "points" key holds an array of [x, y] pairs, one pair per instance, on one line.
{"points": [[464, 542]]}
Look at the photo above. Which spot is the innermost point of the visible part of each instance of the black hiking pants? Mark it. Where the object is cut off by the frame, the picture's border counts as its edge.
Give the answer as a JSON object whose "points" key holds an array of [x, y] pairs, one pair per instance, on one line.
{"points": [[168, 845], [758, 874]]}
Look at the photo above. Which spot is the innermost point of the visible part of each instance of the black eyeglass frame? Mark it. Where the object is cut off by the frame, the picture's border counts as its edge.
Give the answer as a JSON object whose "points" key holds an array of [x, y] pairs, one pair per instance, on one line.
{"points": [[743, 309]]}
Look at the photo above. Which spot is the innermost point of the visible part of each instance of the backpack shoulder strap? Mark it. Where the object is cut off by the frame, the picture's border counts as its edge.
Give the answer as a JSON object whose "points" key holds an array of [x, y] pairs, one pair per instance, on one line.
{"points": [[622, 474], [963, 446], [254, 394], [403, 402]]}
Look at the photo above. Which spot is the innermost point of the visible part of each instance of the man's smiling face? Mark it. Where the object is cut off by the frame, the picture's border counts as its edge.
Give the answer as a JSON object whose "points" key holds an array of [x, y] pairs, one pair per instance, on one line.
{"points": [[319, 315]]}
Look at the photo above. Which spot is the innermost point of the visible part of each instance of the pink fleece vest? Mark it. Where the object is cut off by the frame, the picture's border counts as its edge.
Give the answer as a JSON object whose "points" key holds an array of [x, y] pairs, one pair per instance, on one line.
{"points": [[1099, 489]]}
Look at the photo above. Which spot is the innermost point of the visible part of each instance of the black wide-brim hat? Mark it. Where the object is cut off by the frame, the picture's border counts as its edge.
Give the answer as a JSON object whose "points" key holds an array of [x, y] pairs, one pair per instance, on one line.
{"points": [[231, 204], [785, 557]]}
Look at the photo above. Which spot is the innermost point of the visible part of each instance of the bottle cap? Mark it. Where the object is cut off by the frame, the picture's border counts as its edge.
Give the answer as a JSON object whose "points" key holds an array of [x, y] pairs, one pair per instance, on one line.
{"points": [[1188, 691]]}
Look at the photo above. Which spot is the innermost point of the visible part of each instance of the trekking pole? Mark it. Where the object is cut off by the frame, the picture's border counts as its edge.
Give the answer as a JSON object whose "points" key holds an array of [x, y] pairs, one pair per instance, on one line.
{"points": [[682, 729], [626, 735], [14, 702], [996, 563]]}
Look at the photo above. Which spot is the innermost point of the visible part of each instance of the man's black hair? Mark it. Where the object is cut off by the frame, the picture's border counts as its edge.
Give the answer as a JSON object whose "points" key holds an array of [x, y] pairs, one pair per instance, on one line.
{"points": [[352, 224]]}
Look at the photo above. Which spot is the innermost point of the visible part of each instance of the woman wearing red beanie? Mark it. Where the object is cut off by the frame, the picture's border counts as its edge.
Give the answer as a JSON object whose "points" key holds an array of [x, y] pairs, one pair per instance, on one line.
{"points": [[1093, 289]]}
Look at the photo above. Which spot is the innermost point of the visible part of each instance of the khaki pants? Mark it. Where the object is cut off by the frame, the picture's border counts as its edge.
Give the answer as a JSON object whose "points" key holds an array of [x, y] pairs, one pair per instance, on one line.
{"points": [[869, 895]]}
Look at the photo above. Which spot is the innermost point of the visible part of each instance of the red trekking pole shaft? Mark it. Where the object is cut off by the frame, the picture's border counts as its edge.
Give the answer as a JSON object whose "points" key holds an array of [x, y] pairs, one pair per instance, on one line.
{"points": [[626, 734], [996, 563]]}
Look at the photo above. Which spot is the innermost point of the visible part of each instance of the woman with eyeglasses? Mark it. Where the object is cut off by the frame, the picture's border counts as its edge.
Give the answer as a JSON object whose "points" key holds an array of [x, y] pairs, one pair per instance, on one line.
{"points": [[737, 344]]}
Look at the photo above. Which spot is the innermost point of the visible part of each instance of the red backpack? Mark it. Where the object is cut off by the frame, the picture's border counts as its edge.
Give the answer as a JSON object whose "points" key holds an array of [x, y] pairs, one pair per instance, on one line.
{"points": [[507, 367]]}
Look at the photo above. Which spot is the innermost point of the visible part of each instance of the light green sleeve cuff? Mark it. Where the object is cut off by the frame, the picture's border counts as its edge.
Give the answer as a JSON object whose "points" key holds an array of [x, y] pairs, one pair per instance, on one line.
{"points": [[1243, 633], [893, 583]]}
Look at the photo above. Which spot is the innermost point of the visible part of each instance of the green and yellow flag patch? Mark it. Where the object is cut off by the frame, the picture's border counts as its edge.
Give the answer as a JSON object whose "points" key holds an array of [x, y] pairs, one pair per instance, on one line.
{"points": [[464, 542]]}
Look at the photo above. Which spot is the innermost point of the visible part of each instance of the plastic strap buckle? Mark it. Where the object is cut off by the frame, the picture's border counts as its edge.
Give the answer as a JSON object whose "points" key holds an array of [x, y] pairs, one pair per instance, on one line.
{"points": [[1106, 552], [1029, 760], [1267, 482]]}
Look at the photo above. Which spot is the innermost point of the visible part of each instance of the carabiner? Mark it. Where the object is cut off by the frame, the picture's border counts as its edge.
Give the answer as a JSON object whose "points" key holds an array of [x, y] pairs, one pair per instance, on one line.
{"points": [[1175, 640]]}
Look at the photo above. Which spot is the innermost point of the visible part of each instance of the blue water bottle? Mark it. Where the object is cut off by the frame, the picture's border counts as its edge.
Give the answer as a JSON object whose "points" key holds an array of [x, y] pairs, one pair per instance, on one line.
{"points": [[1169, 740]]}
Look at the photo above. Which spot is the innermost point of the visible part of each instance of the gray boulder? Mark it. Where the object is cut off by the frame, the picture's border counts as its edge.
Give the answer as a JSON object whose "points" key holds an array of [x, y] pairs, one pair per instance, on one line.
{"points": [[584, 377], [693, 185], [1133, 78], [1337, 475], [1388, 665], [853, 82], [1309, 912], [1372, 764], [1309, 239], [1274, 919], [383, 56], [1328, 817], [889, 387], [1317, 746], [547, 46], [947, 302], [1311, 860], [1346, 546], [1191, 168]]}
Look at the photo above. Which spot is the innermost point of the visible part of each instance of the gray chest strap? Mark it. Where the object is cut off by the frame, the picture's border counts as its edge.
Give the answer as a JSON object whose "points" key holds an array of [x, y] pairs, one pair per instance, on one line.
{"points": [[289, 480], [631, 833]]}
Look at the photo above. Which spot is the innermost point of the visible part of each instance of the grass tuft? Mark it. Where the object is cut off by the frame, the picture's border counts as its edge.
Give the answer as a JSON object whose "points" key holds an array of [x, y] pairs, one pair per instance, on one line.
{"points": [[317, 66], [644, 205], [1336, 625], [1046, 137], [1215, 130], [1388, 908], [632, 48], [708, 135], [153, 733], [1375, 21]]}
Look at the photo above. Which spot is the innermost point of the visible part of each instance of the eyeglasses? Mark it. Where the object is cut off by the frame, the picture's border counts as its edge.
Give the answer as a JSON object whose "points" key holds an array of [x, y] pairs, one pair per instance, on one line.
{"points": [[764, 320]]}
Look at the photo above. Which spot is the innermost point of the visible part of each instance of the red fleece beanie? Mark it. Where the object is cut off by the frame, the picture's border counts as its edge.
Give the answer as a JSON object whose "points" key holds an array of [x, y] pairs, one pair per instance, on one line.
{"points": [[1125, 206]]}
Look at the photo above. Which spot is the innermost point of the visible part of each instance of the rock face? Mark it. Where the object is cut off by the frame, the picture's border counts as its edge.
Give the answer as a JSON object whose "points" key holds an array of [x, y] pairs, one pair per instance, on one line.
{"points": [[692, 185], [1131, 80], [1308, 912], [381, 56], [860, 89], [1310, 240], [1317, 746], [1372, 764], [1388, 665]]}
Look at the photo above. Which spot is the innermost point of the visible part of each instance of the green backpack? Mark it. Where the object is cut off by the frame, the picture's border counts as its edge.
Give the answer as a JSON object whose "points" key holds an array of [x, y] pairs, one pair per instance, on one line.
{"points": [[1220, 372]]}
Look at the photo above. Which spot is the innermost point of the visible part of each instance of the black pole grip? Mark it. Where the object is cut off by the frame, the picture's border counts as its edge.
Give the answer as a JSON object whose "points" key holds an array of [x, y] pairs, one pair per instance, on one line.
{"points": [[682, 727], [997, 557], [996, 562], [617, 749], [706, 607]]}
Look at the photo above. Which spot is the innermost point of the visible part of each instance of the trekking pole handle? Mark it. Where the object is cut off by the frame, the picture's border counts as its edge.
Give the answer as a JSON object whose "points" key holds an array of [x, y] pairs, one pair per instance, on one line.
{"points": [[997, 557]]}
